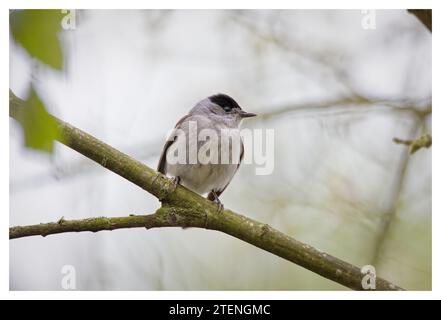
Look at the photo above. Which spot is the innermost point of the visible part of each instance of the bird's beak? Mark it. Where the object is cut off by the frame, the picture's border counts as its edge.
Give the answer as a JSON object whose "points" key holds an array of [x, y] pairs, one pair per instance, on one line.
{"points": [[244, 114]]}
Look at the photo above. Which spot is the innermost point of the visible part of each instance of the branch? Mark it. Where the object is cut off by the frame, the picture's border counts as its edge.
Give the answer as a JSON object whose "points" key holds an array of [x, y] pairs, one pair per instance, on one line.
{"points": [[390, 212], [157, 220], [92, 225], [425, 141], [424, 15], [184, 208], [343, 105]]}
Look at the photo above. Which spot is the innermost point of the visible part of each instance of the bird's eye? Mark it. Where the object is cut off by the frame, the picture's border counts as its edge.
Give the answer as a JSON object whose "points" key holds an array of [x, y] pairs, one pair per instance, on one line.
{"points": [[227, 109]]}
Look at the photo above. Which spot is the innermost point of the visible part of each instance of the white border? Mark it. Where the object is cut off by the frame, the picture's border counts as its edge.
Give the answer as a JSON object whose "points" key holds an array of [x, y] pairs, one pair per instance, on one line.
{"points": [[237, 4], [225, 4]]}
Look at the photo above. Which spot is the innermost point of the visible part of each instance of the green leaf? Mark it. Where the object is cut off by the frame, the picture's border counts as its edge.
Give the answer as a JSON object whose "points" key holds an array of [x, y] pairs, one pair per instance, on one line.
{"points": [[37, 31], [40, 129]]}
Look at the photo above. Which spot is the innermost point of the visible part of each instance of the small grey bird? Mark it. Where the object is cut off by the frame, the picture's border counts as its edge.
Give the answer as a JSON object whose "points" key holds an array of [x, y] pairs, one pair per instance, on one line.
{"points": [[223, 116]]}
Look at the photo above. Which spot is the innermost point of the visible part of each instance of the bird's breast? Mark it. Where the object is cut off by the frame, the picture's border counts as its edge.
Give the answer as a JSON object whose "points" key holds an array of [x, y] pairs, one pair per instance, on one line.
{"points": [[217, 151]]}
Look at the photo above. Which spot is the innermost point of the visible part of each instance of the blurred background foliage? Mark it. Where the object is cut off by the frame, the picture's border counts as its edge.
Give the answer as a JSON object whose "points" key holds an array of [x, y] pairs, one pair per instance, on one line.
{"points": [[335, 93], [37, 32], [39, 128]]}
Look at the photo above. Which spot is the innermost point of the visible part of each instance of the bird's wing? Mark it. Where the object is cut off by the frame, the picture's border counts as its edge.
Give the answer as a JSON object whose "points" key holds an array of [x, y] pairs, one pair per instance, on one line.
{"points": [[168, 143], [218, 193]]}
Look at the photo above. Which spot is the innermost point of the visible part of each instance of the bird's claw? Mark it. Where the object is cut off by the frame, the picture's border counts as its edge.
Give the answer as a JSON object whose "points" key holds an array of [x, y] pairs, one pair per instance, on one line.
{"points": [[220, 205], [175, 183]]}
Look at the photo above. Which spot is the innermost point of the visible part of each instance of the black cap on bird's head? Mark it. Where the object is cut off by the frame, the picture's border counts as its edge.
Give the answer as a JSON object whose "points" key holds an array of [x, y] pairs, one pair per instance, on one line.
{"points": [[228, 104]]}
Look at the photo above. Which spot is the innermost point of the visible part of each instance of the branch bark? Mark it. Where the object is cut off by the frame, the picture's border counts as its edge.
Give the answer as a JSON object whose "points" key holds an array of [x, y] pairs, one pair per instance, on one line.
{"points": [[184, 208], [92, 225]]}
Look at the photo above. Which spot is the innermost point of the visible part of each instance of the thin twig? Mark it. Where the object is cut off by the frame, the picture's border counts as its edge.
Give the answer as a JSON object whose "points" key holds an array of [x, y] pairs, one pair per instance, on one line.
{"points": [[424, 141]]}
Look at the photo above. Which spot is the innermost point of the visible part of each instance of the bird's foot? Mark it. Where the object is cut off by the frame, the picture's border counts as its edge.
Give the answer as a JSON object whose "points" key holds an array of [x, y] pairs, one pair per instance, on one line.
{"points": [[175, 182], [220, 205]]}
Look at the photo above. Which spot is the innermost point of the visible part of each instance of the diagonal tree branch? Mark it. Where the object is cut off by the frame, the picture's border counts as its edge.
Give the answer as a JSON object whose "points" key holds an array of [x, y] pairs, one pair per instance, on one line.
{"points": [[184, 208]]}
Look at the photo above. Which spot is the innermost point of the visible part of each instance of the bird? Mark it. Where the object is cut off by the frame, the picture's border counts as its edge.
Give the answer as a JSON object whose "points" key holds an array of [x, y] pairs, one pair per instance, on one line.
{"points": [[221, 115]]}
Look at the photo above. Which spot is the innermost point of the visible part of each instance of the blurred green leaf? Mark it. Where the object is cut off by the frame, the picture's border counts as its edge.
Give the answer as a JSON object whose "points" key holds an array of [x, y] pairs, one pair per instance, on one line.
{"points": [[40, 129], [37, 31]]}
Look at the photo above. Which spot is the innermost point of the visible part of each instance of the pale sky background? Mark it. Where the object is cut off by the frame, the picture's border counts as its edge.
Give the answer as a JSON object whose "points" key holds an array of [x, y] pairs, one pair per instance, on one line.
{"points": [[130, 75]]}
